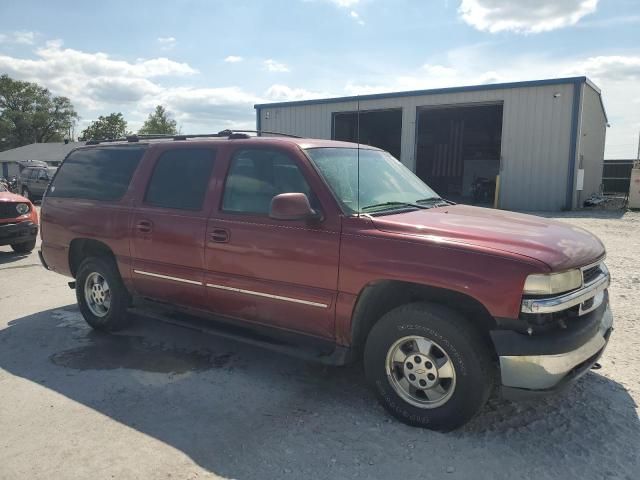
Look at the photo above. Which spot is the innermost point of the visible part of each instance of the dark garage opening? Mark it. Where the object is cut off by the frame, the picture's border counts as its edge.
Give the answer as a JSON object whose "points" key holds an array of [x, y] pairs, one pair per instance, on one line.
{"points": [[458, 151], [379, 128]]}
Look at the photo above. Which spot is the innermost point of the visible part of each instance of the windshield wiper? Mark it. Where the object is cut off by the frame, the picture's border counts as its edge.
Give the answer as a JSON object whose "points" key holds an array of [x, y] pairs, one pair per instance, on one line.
{"points": [[436, 201], [392, 205]]}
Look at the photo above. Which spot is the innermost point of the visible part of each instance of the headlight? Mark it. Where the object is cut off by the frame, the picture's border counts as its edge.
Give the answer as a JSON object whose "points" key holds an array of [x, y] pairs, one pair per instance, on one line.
{"points": [[549, 284], [22, 208]]}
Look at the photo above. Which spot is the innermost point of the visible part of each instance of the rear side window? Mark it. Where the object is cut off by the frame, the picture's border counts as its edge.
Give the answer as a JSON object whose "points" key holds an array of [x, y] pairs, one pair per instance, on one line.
{"points": [[180, 179], [97, 173]]}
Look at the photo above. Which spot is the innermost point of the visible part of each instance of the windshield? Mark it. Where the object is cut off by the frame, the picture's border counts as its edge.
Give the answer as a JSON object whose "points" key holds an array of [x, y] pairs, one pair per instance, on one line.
{"points": [[385, 183]]}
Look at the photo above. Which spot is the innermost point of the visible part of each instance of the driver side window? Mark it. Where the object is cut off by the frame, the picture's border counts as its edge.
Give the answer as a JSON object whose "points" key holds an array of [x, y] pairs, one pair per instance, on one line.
{"points": [[256, 176]]}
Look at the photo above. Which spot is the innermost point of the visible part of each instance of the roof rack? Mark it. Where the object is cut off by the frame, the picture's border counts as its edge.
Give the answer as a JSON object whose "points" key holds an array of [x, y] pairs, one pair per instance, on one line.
{"points": [[230, 134]]}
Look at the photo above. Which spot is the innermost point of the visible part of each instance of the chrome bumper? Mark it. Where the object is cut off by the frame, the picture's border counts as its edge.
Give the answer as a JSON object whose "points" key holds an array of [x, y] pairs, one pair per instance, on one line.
{"points": [[544, 372]]}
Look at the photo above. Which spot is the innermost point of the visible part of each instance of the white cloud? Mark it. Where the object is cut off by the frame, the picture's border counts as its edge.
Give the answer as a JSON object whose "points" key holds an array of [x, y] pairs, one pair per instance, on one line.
{"points": [[345, 3], [20, 37], [273, 66], [98, 84], [356, 17], [233, 59], [524, 16], [167, 43], [284, 93]]}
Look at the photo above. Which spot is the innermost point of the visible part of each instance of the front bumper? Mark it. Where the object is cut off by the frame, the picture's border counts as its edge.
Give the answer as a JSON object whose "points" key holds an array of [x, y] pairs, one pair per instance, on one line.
{"points": [[543, 364], [21, 232]]}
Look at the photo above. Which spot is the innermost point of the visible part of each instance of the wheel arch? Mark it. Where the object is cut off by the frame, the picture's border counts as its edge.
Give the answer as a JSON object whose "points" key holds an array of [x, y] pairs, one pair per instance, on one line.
{"points": [[81, 248], [380, 297]]}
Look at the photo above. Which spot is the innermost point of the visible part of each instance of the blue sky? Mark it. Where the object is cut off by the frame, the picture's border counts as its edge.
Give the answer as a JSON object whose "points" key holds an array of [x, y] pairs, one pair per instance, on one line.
{"points": [[210, 61]]}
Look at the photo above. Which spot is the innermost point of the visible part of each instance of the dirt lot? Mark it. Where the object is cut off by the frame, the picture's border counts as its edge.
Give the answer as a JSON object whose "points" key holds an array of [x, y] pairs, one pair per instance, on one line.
{"points": [[160, 401]]}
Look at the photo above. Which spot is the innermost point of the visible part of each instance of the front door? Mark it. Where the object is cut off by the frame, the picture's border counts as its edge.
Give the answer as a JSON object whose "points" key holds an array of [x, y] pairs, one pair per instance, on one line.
{"points": [[168, 225], [273, 272]]}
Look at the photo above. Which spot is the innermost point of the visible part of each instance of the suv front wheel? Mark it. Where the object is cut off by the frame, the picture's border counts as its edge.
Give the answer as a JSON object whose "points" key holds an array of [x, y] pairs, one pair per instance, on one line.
{"points": [[102, 297], [428, 366]]}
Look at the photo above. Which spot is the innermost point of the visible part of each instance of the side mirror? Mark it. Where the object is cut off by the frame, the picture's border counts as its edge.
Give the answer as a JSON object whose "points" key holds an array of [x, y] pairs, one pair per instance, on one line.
{"points": [[292, 206]]}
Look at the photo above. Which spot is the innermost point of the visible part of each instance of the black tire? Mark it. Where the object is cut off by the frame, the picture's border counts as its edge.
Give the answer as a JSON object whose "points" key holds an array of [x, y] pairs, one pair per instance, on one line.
{"points": [[25, 193], [465, 348], [116, 316], [24, 247]]}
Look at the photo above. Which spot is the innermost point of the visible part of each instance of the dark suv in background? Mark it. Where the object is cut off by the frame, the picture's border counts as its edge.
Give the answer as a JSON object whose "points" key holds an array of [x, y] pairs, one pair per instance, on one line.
{"points": [[333, 252], [33, 181]]}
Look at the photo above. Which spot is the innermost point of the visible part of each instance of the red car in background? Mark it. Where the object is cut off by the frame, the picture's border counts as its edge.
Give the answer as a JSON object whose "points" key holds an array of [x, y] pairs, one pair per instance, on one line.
{"points": [[18, 222]]}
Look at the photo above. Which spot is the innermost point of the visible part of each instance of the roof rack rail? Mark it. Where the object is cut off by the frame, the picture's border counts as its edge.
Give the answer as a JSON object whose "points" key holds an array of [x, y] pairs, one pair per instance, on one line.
{"points": [[268, 133], [231, 134]]}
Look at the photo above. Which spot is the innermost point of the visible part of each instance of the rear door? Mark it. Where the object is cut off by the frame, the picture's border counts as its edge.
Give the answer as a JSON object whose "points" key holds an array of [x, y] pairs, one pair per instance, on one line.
{"points": [[169, 222], [273, 272]]}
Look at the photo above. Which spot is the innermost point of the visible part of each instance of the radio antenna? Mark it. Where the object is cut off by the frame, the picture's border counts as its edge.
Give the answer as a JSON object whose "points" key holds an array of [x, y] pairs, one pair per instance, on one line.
{"points": [[358, 153]]}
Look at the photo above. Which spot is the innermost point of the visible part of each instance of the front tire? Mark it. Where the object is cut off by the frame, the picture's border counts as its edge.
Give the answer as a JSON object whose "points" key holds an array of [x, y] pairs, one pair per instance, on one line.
{"points": [[24, 247], [102, 297], [428, 366]]}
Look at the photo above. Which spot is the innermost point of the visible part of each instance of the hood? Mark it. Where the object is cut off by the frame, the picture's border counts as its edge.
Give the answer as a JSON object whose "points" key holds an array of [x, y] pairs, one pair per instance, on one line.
{"points": [[12, 197], [559, 245]]}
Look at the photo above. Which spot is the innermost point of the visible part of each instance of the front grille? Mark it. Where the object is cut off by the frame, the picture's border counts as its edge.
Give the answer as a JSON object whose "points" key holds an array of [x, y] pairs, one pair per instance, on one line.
{"points": [[590, 274], [8, 210]]}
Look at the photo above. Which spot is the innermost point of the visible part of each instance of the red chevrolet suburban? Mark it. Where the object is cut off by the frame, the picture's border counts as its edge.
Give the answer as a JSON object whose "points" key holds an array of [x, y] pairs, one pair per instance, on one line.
{"points": [[329, 251]]}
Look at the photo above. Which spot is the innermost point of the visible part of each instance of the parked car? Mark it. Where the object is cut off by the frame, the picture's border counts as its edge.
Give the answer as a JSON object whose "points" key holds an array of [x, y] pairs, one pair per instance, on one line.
{"points": [[33, 181], [336, 253], [18, 221]]}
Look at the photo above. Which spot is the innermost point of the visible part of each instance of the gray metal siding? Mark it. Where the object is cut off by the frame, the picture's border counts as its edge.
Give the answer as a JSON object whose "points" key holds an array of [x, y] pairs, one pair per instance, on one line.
{"points": [[536, 133], [593, 126]]}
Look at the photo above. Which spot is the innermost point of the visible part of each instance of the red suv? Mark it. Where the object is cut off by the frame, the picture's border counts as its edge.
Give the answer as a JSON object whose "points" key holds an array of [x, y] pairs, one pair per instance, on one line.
{"points": [[322, 249]]}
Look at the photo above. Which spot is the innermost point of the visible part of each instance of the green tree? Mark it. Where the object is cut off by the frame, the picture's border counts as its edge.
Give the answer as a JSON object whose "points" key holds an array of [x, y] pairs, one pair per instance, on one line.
{"points": [[159, 122], [29, 113], [106, 128]]}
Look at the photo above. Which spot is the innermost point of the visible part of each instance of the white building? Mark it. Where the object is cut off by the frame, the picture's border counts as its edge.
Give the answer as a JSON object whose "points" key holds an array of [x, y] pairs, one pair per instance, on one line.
{"points": [[545, 138]]}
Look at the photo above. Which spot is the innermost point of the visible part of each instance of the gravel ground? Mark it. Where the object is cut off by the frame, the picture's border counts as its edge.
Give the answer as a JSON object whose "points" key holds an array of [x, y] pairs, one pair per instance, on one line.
{"points": [[159, 401]]}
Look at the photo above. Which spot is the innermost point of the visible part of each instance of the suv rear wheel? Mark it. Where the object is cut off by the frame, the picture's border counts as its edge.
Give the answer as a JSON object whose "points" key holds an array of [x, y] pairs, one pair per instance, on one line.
{"points": [[429, 367], [102, 297]]}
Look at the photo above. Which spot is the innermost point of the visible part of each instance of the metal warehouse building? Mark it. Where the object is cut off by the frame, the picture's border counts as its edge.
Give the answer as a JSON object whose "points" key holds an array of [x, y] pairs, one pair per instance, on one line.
{"points": [[544, 138]]}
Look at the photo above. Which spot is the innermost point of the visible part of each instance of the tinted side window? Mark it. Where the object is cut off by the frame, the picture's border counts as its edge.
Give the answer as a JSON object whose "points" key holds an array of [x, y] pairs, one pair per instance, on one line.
{"points": [[180, 179], [256, 176], [100, 173]]}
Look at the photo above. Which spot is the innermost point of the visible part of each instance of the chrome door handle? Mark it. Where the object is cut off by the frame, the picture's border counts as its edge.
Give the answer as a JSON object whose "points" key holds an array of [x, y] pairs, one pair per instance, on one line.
{"points": [[219, 235], [144, 226]]}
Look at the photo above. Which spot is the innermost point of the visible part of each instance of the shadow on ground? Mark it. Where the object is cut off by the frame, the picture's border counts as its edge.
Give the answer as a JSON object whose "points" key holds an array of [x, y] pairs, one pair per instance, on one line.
{"points": [[245, 413], [9, 256]]}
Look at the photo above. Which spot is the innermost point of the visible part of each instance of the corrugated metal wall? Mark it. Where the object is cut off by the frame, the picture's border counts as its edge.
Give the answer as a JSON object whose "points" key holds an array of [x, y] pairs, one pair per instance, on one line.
{"points": [[536, 135], [593, 126]]}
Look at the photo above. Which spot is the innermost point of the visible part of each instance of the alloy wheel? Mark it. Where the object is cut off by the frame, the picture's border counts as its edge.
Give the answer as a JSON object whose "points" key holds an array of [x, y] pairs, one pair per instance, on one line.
{"points": [[420, 371], [97, 294]]}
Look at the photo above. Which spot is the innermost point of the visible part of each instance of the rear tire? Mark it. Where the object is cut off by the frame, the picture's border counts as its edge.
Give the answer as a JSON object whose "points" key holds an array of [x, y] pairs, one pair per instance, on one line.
{"points": [[24, 247], [102, 297], [428, 366]]}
